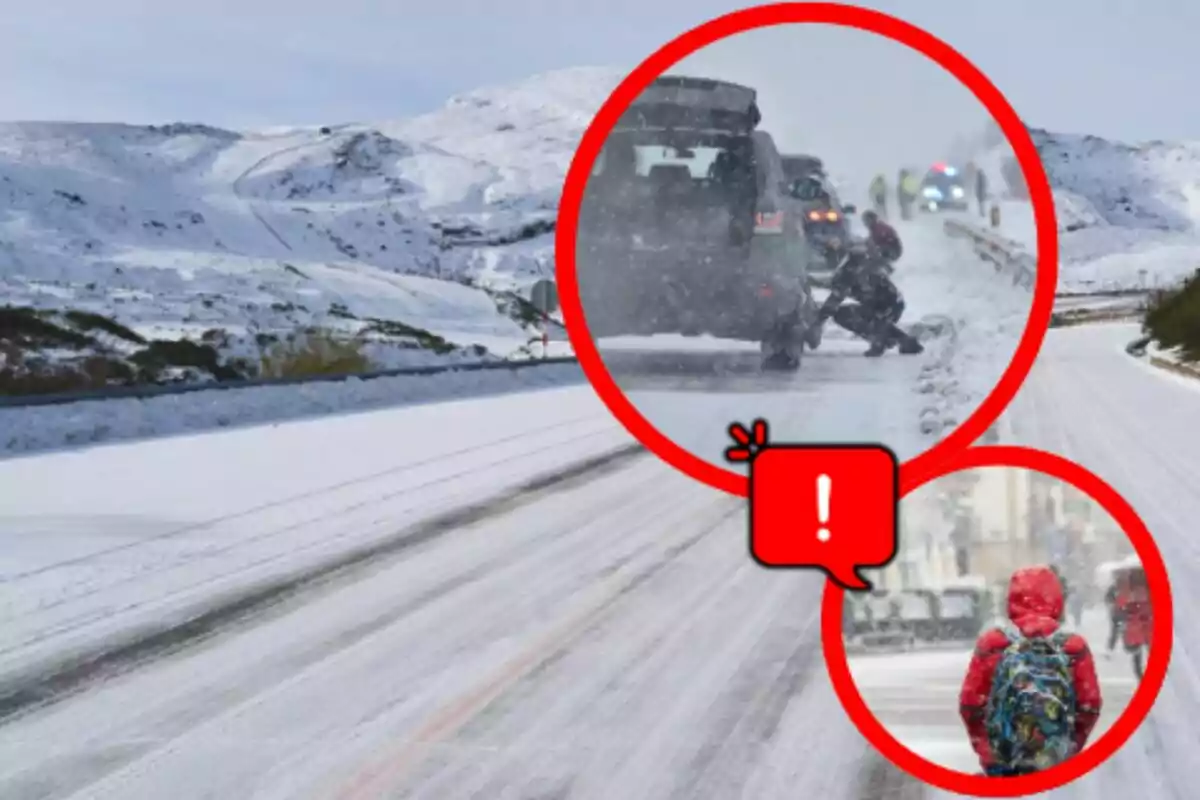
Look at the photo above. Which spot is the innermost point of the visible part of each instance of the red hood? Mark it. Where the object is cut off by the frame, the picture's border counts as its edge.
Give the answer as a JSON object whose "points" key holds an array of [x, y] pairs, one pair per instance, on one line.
{"points": [[1035, 600]]}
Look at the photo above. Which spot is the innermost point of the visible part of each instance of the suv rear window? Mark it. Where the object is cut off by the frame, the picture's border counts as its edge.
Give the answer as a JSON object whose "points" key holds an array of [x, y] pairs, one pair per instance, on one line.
{"points": [[698, 160], [701, 165]]}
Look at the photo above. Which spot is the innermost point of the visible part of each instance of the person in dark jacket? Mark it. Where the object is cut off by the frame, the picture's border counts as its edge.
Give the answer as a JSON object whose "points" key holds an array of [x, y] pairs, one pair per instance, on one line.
{"points": [[1035, 606], [864, 277], [1066, 590], [981, 190], [904, 201], [1114, 615], [1073, 600]]}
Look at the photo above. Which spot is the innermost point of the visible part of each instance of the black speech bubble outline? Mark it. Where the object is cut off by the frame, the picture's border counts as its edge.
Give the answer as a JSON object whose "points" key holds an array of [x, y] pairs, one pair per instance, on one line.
{"points": [[867, 586]]}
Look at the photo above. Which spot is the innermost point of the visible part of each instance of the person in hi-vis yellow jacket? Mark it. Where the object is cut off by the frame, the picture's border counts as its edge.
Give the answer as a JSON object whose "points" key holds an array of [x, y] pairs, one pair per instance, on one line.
{"points": [[907, 189]]}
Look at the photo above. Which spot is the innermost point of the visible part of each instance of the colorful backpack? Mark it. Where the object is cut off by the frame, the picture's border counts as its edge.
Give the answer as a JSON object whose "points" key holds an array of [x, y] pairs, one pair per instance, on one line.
{"points": [[1030, 719]]}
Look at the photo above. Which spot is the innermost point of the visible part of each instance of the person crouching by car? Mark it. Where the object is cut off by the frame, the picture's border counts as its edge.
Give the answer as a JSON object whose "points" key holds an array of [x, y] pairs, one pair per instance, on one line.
{"points": [[862, 277]]}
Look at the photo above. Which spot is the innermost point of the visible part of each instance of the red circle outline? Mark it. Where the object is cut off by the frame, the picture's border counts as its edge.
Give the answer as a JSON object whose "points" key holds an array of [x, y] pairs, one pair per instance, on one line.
{"points": [[1114, 738], [746, 19]]}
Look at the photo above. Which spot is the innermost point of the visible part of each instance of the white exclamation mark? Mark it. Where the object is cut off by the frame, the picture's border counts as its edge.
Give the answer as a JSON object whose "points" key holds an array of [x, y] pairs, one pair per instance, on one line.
{"points": [[824, 486]]}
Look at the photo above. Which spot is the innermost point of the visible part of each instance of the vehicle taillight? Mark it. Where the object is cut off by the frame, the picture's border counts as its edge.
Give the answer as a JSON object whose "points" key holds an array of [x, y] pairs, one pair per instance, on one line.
{"points": [[768, 222], [765, 291]]}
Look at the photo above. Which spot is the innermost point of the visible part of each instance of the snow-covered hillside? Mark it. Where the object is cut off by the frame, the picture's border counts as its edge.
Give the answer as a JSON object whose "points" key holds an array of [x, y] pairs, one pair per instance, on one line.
{"points": [[398, 226], [1128, 215]]}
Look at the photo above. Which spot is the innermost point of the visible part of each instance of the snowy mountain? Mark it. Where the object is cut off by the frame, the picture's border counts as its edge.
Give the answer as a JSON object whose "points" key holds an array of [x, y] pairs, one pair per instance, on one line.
{"points": [[409, 232], [185, 250], [1128, 215]]}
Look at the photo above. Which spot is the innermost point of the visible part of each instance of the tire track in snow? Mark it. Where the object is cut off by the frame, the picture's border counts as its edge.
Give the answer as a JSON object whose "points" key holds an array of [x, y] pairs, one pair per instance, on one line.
{"points": [[384, 774], [53, 685], [206, 712], [882, 780], [1089, 401], [752, 708]]}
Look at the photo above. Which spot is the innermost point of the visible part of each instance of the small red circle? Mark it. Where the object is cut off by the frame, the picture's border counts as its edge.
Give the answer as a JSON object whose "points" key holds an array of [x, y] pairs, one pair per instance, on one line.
{"points": [[778, 14], [1113, 738]]}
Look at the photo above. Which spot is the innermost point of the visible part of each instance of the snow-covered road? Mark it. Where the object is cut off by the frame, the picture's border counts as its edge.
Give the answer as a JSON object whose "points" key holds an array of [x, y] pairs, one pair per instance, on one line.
{"points": [[606, 637], [611, 639], [1134, 425], [98, 544]]}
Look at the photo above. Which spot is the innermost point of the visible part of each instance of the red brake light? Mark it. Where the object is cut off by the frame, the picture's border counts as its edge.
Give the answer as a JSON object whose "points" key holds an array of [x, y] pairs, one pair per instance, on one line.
{"points": [[765, 291]]}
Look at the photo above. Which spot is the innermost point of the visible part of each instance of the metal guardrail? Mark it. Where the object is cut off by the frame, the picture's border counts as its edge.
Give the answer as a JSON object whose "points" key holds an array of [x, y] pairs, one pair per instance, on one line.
{"points": [[1005, 254], [1086, 316], [1009, 255], [160, 390]]}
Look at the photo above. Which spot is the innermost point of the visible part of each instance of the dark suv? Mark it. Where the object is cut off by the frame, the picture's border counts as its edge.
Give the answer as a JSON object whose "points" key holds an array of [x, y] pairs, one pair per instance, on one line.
{"points": [[685, 226], [797, 166]]}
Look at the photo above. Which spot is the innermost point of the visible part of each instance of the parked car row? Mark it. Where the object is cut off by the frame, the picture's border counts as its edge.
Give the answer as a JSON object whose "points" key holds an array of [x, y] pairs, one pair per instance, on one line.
{"points": [[913, 617]]}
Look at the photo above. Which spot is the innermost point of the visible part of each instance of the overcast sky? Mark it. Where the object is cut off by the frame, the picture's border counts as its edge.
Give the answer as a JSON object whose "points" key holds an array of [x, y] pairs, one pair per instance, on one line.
{"points": [[905, 111], [1120, 68]]}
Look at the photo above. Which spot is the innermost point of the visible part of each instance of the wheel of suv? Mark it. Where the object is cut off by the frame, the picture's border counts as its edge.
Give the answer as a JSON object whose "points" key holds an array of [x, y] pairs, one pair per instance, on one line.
{"points": [[782, 348]]}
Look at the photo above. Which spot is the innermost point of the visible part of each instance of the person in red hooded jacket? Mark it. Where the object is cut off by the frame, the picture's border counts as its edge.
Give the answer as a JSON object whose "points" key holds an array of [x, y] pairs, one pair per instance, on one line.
{"points": [[1035, 608], [1133, 604]]}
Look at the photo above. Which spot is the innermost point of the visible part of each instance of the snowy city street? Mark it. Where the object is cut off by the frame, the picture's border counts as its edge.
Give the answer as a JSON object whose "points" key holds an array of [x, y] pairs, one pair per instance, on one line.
{"points": [[915, 695]]}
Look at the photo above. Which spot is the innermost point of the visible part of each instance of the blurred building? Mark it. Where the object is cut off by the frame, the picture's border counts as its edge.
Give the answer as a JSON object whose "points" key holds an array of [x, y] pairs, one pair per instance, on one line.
{"points": [[981, 525]]}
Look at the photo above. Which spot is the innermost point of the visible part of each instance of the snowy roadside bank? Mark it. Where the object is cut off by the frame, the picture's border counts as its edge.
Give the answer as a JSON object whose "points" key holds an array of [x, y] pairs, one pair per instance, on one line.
{"points": [[967, 362], [1171, 361], [83, 424]]}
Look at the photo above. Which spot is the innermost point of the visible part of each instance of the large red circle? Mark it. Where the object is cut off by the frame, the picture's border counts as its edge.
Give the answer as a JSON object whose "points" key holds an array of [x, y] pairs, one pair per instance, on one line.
{"points": [[1112, 739], [777, 14]]}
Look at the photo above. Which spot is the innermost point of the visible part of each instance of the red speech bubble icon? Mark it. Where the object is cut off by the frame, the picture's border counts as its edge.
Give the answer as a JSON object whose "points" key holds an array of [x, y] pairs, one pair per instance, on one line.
{"points": [[828, 507], [1116, 735]]}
